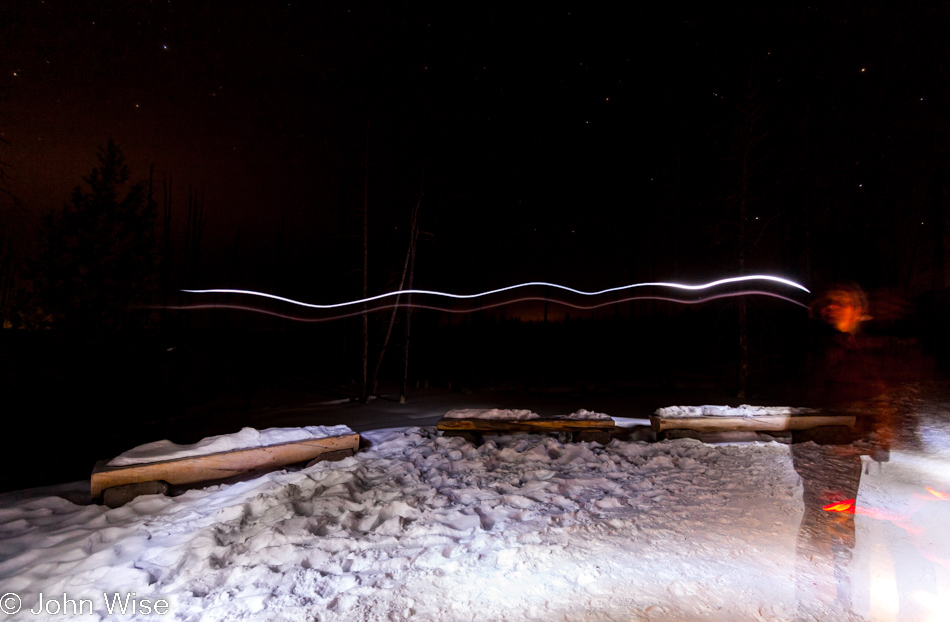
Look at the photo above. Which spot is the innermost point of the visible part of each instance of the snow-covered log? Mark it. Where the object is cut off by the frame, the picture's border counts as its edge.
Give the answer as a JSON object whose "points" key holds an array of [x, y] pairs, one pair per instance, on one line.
{"points": [[219, 465], [743, 418]]}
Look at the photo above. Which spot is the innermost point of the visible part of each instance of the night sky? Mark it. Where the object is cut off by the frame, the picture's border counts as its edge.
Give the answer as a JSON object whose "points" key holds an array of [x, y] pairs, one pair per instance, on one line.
{"points": [[592, 144], [588, 144]]}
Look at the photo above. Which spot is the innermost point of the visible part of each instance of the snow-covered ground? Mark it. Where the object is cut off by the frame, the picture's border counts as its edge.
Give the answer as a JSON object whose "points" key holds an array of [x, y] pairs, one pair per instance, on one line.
{"points": [[525, 527], [426, 527]]}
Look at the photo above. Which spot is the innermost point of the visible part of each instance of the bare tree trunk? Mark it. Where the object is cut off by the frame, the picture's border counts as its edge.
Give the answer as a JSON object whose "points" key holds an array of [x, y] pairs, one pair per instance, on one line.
{"points": [[938, 276], [166, 246], [198, 213], [413, 238], [364, 388], [231, 271], [938, 281], [6, 272], [193, 227], [751, 111], [743, 309], [189, 269], [806, 203], [184, 260], [389, 327], [281, 281], [344, 211]]}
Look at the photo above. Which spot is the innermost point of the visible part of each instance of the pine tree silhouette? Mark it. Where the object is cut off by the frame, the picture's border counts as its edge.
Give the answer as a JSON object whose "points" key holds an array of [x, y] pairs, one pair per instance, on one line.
{"points": [[99, 256]]}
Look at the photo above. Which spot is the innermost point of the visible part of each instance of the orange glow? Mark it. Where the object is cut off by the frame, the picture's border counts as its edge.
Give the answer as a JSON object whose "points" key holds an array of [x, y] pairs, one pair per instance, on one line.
{"points": [[845, 309], [943, 496], [849, 506], [846, 506]]}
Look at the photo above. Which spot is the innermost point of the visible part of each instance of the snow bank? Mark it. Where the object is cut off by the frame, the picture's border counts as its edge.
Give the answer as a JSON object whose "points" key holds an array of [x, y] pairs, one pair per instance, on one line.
{"points": [[685, 412], [247, 438], [427, 527]]}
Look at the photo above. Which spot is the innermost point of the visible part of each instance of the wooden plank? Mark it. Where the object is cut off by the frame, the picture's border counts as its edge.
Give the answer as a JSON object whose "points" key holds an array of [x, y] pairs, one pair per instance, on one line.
{"points": [[220, 465], [526, 425], [764, 423]]}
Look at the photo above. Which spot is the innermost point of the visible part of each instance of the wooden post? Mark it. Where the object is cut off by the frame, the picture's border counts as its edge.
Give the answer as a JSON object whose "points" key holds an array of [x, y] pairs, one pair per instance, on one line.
{"points": [[167, 246], [413, 238], [364, 389], [389, 327]]}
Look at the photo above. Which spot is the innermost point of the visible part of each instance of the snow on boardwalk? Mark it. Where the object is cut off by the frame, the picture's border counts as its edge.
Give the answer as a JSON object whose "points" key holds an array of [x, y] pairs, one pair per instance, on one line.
{"points": [[689, 412], [425, 527], [247, 438]]}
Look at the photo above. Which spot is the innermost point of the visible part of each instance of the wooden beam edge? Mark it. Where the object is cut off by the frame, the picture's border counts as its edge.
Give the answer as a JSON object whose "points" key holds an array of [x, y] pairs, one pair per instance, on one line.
{"points": [[765, 423], [193, 469]]}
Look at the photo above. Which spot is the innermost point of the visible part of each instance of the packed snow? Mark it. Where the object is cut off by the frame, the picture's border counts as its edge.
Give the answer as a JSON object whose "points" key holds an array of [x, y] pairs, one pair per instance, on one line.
{"points": [[421, 526], [685, 412], [498, 414], [586, 415], [247, 438], [503, 414]]}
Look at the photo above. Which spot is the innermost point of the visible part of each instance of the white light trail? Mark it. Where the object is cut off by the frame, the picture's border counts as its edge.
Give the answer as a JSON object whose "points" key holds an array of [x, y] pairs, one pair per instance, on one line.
{"points": [[297, 318], [735, 279]]}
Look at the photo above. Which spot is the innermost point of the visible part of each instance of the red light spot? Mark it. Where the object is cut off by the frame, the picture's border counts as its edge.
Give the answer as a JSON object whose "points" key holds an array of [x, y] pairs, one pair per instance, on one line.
{"points": [[846, 506], [943, 496]]}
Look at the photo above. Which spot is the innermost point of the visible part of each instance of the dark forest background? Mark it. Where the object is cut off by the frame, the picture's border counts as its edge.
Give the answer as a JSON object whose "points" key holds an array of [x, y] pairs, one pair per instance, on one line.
{"points": [[591, 146]]}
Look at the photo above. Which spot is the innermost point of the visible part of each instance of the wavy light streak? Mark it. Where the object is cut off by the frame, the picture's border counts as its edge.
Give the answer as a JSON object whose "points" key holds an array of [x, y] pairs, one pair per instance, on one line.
{"points": [[329, 318], [682, 286]]}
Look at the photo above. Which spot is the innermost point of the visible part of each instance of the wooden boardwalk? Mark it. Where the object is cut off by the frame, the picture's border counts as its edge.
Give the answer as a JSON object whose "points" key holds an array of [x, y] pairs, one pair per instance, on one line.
{"points": [[763, 423], [221, 465]]}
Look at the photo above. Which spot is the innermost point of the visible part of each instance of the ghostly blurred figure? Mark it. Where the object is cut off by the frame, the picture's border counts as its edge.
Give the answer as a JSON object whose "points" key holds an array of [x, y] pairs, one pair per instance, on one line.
{"points": [[845, 309], [842, 368], [861, 352], [867, 362], [842, 375]]}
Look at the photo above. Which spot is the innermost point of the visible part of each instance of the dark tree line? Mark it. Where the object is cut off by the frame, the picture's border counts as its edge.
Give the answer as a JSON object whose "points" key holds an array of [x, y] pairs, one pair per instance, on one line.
{"points": [[98, 261]]}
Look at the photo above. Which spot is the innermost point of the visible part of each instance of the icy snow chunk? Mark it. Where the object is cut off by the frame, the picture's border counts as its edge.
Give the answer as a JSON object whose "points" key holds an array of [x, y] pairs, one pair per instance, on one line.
{"points": [[586, 415], [745, 410], [247, 438], [608, 503], [501, 414], [659, 462]]}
